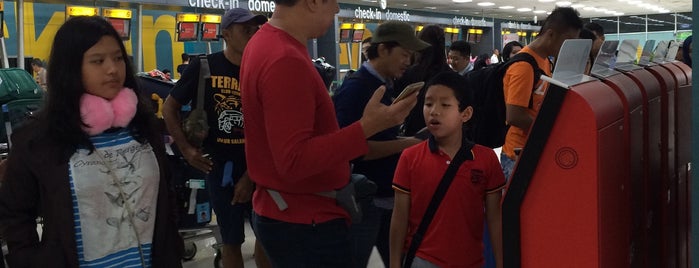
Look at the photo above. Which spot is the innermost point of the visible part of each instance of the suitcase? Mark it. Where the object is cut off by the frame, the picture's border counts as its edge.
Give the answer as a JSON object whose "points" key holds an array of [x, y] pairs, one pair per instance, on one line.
{"points": [[194, 208]]}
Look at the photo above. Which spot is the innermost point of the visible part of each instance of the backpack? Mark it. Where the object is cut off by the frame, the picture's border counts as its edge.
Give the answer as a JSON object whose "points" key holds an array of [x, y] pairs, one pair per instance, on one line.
{"points": [[488, 125]]}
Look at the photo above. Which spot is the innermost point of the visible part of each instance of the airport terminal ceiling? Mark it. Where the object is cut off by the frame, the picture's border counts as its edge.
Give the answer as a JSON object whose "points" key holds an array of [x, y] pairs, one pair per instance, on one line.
{"points": [[525, 10]]}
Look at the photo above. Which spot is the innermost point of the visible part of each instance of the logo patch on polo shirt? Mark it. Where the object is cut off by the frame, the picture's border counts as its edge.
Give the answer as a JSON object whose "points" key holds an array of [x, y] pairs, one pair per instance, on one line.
{"points": [[477, 176]]}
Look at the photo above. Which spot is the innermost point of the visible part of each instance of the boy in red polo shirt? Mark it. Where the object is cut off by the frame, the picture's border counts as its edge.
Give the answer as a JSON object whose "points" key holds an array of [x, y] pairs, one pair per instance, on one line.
{"points": [[454, 237]]}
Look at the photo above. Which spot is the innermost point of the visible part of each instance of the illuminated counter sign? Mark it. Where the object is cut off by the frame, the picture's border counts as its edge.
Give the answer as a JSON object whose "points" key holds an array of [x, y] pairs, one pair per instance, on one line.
{"points": [[210, 27], [76, 11], [120, 20], [187, 26]]}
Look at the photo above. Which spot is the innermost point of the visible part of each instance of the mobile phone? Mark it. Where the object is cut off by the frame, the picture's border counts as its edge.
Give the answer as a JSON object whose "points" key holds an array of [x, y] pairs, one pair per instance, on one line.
{"points": [[409, 90]]}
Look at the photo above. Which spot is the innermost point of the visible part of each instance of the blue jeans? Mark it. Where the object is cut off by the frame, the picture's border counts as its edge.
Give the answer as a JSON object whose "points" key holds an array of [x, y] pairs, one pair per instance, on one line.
{"points": [[304, 245], [373, 230], [507, 165]]}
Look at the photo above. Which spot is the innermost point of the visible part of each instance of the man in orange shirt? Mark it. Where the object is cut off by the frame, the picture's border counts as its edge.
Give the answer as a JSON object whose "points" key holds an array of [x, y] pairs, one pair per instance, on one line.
{"points": [[522, 97]]}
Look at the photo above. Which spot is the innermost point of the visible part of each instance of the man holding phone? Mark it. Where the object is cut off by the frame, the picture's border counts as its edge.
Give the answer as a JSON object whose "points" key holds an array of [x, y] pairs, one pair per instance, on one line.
{"points": [[392, 46]]}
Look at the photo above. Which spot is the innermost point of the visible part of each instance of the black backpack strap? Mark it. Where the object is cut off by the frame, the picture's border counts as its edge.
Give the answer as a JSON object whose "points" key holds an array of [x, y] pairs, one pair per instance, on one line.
{"points": [[442, 188], [535, 66]]}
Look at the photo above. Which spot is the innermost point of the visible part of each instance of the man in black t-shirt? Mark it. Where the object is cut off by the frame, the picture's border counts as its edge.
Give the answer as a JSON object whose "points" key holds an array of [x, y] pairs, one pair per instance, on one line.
{"points": [[229, 186]]}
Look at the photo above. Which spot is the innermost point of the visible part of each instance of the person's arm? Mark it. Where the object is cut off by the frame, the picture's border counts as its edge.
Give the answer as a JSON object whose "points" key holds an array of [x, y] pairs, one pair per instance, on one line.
{"points": [[518, 84], [290, 118], [381, 149], [193, 155], [493, 214], [399, 228], [183, 92], [243, 189], [349, 100], [19, 196], [519, 117]]}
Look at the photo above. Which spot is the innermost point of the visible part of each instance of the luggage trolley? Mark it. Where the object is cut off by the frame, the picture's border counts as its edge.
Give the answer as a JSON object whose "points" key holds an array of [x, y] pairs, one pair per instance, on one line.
{"points": [[194, 209]]}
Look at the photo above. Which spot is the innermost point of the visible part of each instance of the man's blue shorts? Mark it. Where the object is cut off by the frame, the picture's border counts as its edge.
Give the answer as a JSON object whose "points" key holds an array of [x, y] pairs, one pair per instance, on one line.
{"points": [[230, 218]]}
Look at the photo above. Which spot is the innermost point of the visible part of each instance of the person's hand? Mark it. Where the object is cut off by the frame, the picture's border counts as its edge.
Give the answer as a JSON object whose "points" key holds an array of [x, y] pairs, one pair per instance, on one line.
{"points": [[378, 116], [243, 190], [194, 157]]}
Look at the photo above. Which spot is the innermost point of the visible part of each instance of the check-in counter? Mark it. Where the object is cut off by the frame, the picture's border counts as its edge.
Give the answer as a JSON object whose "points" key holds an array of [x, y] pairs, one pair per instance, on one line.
{"points": [[569, 191], [646, 252], [667, 198], [631, 96], [683, 145]]}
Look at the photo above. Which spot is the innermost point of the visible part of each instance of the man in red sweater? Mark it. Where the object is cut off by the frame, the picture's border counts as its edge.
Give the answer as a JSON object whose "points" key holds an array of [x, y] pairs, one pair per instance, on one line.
{"points": [[294, 146]]}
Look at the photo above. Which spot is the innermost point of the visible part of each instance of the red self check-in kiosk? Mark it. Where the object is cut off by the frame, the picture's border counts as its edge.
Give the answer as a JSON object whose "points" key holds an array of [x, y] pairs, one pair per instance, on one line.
{"points": [[571, 210], [666, 195], [568, 202], [683, 154], [632, 99]]}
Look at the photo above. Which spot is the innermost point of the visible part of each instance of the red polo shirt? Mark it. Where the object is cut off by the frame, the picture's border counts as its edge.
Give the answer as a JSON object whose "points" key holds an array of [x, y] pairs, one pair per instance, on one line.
{"points": [[455, 236]]}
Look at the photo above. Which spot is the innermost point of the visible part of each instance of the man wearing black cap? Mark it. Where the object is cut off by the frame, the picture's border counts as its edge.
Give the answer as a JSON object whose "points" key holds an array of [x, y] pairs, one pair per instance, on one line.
{"points": [[229, 186], [392, 46]]}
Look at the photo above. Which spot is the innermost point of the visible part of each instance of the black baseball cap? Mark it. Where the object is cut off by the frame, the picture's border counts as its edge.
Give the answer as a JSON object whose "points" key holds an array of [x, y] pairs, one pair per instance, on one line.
{"points": [[240, 15]]}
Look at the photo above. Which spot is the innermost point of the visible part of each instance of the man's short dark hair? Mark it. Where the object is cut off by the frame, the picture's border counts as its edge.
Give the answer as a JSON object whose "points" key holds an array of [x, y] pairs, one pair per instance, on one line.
{"points": [[185, 57], [366, 40], [373, 51], [462, 47], [37, 62], [594, 27], [562, 19], [587, 34], [457, 84]]}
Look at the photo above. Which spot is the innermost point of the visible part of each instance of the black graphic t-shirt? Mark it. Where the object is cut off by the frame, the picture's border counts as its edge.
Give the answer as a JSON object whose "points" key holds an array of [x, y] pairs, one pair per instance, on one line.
{"points": [[222, 105]]}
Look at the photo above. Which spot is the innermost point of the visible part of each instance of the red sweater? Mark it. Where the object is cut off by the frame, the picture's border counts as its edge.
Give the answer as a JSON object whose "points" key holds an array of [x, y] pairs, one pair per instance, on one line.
{"points": [[293, 142]]}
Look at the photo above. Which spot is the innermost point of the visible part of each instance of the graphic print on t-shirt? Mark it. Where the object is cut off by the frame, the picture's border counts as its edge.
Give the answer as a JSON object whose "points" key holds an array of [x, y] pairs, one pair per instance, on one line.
{"points": [[227, 108], [104, 187]]}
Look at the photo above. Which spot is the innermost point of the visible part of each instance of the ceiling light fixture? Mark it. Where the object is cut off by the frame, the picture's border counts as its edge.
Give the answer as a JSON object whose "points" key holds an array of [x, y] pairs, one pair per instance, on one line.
{"points": [[486, 4], [563, 3], [539, 11], [506, 7], [461, 1], [524, 9], [577, 5]]}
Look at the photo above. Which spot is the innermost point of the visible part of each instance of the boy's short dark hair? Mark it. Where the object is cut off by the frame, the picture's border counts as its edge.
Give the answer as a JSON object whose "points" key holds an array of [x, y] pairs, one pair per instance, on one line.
{"points": [[373, 51], [185, 57], [458, 84], [562, 19], [462, 47], [594, 27]]}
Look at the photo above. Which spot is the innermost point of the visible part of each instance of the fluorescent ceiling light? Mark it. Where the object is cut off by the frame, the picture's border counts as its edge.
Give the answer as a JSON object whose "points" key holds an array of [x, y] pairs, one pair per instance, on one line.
{"points": [[563, 3], [433, 8], [577, 5], [539, 11], [461, 1], [588, 8], [524, 9], [486, 4], [506, 7], [546, 1]]}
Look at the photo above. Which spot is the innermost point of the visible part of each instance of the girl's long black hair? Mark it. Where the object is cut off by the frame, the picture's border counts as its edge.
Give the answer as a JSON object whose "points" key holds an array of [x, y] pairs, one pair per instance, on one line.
{"points": [[60, 118]]}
